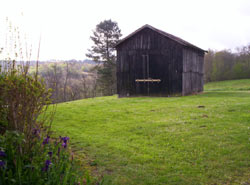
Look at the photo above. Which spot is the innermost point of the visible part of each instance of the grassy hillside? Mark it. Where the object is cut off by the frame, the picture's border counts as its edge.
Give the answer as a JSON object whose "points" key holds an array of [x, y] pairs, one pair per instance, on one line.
{"points": [[230, 85], [199, 139]]}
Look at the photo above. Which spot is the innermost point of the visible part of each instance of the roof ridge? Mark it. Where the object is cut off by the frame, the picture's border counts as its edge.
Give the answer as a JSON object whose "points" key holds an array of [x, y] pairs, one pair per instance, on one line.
{"points": [[170, 36]]}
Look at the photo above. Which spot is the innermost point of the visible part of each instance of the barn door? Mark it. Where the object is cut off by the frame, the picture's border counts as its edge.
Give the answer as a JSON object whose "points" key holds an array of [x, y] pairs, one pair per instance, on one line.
{"points": [[145, 71], [147, 80], [156, 70], [141, 66]]}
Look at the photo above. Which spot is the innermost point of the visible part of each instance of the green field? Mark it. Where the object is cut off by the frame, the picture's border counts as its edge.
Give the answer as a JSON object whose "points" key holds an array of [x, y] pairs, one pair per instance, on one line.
{"points": [[230, 85], [199, 139]]}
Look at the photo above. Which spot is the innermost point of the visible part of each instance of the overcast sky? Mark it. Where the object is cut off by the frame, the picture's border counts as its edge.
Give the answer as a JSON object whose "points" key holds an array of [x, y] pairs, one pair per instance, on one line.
{"points": [[66, 25]]}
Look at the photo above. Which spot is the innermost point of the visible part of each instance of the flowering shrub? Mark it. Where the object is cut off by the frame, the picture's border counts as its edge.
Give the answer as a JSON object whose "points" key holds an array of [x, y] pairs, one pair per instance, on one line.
{"points": [[23, 98], [28, 155], [49, 162]]}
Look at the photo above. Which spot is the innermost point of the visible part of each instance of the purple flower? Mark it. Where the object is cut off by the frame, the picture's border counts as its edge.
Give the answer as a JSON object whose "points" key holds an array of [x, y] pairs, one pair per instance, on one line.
{"points": [[36, 131], [2, 164], [46, 140], [64, 145], [2, 154], [64, 139], [50, 154], [47, 164]]}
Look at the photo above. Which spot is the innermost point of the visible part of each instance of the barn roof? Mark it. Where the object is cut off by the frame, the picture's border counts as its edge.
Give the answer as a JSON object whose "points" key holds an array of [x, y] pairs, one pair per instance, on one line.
{"points": [[170, 36]]}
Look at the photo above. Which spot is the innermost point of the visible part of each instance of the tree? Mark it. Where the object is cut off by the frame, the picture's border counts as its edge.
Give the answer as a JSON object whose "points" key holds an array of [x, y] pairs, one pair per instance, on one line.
{"points": [[105, 36], [227, 65], [208, 65]]}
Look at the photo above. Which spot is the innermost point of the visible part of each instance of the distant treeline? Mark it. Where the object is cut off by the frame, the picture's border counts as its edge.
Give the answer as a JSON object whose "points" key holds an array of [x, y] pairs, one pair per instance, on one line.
{"points": [[69, 80], [227, 65]]}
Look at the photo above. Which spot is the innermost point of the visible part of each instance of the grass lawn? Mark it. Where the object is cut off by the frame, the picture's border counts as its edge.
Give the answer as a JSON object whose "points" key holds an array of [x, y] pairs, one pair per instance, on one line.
{"points": [[199, 139], [229, 85]]}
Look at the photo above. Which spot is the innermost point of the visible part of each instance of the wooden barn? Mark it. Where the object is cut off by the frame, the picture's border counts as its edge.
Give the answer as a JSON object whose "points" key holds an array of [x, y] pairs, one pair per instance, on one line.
{"points": [[151, 62]]}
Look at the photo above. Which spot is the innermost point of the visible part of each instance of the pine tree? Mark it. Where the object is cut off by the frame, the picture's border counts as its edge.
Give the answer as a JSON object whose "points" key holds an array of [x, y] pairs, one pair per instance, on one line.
{"points": [[105, 36]]}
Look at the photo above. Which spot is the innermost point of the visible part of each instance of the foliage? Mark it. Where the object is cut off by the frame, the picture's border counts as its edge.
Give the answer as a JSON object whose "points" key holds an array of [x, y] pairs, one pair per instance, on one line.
{"points": [[226, 65], [49, 162], [23, 98], [27, 156], [105, 36], [27, 153], [68, 80], [200, 139]]}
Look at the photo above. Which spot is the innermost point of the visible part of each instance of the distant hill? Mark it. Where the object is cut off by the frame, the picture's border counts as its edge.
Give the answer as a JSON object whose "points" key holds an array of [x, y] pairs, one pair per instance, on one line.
{"points": [[86, 61], [33, 62]]}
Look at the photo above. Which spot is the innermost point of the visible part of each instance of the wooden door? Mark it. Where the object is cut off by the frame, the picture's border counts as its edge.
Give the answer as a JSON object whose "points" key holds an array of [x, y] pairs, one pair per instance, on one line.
{"points": [[148, 73], [156, 70]]}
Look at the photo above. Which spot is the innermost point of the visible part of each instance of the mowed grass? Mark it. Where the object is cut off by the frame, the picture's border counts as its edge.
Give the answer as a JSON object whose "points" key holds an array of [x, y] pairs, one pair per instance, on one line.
{"points": [[199, 139], [229, 85]]}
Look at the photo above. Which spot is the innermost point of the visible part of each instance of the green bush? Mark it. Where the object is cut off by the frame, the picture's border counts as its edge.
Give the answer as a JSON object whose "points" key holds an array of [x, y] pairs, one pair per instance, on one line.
{"points": [[23, 99], [49, 162], [28, 156], [27, 153]]}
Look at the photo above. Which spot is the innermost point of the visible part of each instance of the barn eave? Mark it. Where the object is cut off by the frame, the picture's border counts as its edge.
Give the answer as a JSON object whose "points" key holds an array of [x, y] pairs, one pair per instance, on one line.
{"points": [[165, 34]]}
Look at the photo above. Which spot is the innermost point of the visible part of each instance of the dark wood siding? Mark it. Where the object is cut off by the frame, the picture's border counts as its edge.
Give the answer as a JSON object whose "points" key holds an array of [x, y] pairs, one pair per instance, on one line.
{"points": [[192, 71], [150, 55]]}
